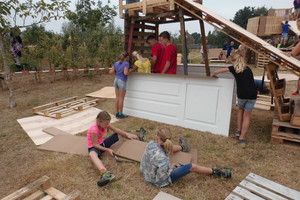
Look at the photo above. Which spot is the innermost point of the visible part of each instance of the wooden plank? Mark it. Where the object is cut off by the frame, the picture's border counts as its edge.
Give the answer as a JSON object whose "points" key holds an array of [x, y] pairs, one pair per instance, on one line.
{"points": [[74, 195], [245, 194], [32, 187], [48, 197], [36, 195], [260, 191], [233, 197], [273, 186], [55, 193], [236, 32]]}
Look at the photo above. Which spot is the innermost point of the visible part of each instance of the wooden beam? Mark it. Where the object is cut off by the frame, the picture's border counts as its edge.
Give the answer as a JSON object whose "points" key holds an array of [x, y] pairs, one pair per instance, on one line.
{"points": [[203, 38], [183, 41]]}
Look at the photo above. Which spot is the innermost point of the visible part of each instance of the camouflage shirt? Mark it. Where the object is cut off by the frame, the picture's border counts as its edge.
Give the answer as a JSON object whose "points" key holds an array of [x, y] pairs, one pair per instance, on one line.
{"points": [[155, 165]]}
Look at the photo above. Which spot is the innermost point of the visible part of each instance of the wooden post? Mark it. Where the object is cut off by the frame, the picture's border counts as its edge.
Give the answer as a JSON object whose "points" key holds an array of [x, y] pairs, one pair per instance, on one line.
{"points": [[183, 41], [203, 38], [130, 36]]}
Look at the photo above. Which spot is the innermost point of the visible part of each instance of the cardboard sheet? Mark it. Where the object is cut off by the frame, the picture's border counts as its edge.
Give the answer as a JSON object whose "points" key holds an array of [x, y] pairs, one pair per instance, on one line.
{"points": [[128, 149], [72, 124], [67, 144], [106, 92], [72, 144], [134, 150], [165, 196], [55, 131]]}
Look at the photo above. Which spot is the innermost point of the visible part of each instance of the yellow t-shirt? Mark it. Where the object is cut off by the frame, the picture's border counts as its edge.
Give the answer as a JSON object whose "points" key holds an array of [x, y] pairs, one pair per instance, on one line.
{"points": [[144, 67]]}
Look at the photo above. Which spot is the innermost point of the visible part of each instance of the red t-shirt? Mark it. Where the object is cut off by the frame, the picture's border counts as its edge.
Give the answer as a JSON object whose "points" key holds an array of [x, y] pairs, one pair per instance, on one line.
{"points": [[158, 50], [170, 55]]}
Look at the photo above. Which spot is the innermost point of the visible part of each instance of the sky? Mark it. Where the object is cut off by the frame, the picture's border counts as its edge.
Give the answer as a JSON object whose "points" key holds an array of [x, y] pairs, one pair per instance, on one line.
{"points": [[224, 8]]}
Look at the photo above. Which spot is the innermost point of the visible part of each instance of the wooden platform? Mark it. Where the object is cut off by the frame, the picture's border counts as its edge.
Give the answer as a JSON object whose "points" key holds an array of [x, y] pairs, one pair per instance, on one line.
{"points": [[64, 107], [260, 188], [283, 132], [42, 189]]}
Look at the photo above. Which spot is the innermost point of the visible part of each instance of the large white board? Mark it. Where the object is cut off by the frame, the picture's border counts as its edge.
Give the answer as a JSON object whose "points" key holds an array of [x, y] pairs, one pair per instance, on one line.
{"points": [[200, 103]]}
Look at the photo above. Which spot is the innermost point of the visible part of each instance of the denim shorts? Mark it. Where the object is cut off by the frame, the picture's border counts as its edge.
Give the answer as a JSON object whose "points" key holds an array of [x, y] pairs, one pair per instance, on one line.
{"points": [[179, 172], [107, 143], [119, 84], [284, 36], [246, 104]]}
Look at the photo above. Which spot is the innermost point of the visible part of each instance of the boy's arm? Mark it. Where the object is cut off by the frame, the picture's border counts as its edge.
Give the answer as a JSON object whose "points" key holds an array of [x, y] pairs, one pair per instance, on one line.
{"points": [[112, 70], [167, 66], [123, 133]]}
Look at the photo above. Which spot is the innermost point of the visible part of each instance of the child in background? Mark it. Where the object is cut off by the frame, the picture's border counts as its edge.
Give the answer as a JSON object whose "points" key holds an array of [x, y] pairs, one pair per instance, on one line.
{"points": [[121, 69], [155, 164], [246, 93], [97, 145], [141, 64]]}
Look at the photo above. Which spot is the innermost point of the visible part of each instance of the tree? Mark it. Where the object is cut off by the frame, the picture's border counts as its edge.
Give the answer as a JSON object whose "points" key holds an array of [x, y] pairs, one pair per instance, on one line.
{"points": [[89, 14], [16, 15], [241, 16]]}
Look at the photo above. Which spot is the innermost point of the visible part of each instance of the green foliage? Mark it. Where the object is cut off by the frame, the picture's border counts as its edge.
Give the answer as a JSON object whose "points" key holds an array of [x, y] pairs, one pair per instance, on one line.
{"points": [[89, 14], [197, 37], [241, 16], [15, 14]]}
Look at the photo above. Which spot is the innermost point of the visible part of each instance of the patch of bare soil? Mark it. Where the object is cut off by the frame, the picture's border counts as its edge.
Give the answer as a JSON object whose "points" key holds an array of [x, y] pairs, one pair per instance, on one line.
{"points": [[21, 162]]}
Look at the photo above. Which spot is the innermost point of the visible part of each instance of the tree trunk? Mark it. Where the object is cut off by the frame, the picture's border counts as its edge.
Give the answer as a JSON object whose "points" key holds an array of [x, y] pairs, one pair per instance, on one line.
{"points": [[7, 79]]}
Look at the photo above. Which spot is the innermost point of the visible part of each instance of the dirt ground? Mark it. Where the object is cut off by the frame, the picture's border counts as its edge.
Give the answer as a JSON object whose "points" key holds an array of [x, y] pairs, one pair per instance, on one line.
{"points": [[21, 162]]}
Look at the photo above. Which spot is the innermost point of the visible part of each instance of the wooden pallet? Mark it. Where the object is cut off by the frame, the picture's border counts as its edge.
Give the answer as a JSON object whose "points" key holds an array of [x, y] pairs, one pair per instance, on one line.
{"points": [[264, 102], [65, 107], [41, 189], [262, 61], [283, 132], [260, 188]]}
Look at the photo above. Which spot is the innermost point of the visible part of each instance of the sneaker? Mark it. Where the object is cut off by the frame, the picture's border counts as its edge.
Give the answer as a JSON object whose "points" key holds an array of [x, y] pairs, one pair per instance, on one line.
{"points": [[225, 173], [105, 178], [295, 93], [242, 143], [237, 133], [122, 116], [142, 134], [183, 143], [117, 115]]}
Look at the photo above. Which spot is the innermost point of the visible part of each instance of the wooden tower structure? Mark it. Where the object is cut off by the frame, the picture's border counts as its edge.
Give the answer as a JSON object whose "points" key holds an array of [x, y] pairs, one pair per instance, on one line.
{"points": [[143, 18]]}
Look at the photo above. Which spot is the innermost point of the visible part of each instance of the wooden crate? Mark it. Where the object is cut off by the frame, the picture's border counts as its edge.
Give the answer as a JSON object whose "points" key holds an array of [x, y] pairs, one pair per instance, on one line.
{"points": [[283, 132], [274, 25], [64, 107], [262, 61], [41, 189], [278, 12], [260, 188], [252, 25]]}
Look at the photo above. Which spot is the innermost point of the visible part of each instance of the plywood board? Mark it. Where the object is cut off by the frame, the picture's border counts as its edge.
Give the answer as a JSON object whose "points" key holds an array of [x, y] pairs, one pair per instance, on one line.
{"points": [[287, 77], [200, 103], [134, 150], [165, 196], [106, 92], [294, 27], [73, 124]]}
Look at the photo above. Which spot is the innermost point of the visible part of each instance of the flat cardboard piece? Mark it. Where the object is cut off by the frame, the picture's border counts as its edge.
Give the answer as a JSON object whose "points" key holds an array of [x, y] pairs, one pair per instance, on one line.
{"points": [[55, 131], [106, 92], [134, 150], [72, 124], [67, 144], [72, 144], [165, 196]]}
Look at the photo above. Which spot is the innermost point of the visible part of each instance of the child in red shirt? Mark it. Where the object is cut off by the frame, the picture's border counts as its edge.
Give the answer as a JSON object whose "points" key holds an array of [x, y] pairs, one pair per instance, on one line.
{"points": [[170, 58]]}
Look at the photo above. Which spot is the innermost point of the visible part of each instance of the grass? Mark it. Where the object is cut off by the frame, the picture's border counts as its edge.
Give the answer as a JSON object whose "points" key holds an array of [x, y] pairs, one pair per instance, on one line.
{"points": [[21, 162]]}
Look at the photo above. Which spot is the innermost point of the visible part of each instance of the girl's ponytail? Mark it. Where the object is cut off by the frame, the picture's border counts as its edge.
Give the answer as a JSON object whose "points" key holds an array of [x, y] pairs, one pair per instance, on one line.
{"points": [[123, 55], [165, 136]]}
